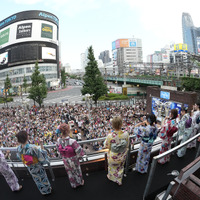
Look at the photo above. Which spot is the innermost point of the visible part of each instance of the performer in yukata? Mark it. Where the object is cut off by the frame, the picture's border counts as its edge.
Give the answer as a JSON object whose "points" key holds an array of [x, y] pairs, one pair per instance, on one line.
{"points": [[145, 131], [168, 128], [117, 142], [8, 174], [34, 157], [184, 129], [195, 113], [71, 152]]}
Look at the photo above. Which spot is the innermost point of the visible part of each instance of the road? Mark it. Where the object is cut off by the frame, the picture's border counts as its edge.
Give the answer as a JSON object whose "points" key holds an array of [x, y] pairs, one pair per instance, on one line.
{"points": [[71, 94]]}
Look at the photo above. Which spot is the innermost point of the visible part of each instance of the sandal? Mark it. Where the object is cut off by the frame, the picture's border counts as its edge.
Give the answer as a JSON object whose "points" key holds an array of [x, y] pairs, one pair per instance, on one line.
{"points": [[20, 188]]}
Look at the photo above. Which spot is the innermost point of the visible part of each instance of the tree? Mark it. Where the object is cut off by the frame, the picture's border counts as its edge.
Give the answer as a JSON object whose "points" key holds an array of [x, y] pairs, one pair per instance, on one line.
{"points": [[93, 81], [38, 90], [25, 85], [7, 86], [63, 77]]}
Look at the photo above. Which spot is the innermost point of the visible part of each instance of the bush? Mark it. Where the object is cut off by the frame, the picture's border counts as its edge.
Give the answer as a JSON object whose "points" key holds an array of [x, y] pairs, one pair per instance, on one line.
{"points": [[3, 100], [112, 96]]}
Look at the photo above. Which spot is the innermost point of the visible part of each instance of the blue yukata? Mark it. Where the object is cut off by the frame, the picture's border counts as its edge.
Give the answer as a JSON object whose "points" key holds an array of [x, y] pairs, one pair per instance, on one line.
{"points": [[184, 132], [147, 135], [36, 170], [8, 173]]}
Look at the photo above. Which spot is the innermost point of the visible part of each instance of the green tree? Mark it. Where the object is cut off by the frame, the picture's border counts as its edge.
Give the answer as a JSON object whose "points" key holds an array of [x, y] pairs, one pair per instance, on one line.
{"points": [[7, 86], [25, 85], [38, 90], [63, 77], [93, 81]]}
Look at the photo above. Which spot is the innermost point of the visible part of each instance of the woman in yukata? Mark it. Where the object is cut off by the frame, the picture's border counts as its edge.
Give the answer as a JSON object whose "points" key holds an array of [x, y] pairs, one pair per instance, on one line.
{"points": [[8, 174], [184, 129], [34, 157], [117, 143], [168, 128], [70, 151], [145, 131]]}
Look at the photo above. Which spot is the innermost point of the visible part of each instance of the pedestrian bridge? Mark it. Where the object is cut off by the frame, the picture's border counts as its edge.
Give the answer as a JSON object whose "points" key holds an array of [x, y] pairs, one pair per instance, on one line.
{"points": [[158, 81]]}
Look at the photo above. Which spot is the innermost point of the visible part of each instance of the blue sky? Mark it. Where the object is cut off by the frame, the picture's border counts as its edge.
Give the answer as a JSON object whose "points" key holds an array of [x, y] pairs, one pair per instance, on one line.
{"points": [[99, 22]]}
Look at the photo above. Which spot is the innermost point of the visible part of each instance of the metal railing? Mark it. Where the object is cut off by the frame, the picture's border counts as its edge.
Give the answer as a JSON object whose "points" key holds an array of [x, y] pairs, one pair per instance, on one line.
{"points": [[156, 158]]}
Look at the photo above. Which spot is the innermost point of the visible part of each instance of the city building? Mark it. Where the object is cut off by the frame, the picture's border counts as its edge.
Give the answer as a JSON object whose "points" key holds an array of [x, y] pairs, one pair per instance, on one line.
{"points": [[126, 51], [84, 60], [105, 56], [191, 34], [27, 37], [67, 68]]}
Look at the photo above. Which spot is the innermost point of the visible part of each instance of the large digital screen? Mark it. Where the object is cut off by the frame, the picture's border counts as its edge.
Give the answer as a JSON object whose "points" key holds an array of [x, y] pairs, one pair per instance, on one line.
{"points": [[162, 107], [4, 58], [48, 53]]}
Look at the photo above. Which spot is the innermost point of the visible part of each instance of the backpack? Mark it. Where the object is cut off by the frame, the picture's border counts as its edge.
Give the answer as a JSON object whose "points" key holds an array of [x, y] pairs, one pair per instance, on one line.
{"points": [[188, 122]]}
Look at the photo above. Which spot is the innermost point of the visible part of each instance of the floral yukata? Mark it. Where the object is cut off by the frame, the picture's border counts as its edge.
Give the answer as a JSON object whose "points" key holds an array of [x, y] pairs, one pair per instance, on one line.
{"points": [[147, 135], [116, 160], [167, 139], [184, 132], [36, 170], [195, 126], [70, 158], [8, 173]]}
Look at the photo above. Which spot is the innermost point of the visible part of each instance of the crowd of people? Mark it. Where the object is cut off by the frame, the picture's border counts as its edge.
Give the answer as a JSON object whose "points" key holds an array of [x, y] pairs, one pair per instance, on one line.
{"points": [[42, 123], [65, 125]]}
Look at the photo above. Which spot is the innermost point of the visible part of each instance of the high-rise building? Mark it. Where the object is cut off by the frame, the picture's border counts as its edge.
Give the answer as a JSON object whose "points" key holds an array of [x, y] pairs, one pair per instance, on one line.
{"points": [[105, 56], [84, 60], [126, 51], [190, 33]]}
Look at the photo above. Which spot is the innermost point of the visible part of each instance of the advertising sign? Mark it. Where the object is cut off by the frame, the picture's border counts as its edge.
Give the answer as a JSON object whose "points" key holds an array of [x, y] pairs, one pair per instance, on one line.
{"points": [[180, 47], [124, 43], [4, 36], [165, 95], [24, 30], [4, 58], [113, 45], [132, 43], [117, 44], [48, 53], [161, 107], [47, 31]]}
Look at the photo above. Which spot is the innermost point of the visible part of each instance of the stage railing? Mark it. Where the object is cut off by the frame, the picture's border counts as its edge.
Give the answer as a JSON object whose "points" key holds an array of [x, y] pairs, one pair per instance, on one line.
{"points": [[156, 158]]}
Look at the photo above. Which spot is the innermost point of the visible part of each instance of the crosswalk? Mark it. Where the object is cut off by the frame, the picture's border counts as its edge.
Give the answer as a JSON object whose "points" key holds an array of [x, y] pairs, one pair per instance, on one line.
{"points": [[65, 99]]}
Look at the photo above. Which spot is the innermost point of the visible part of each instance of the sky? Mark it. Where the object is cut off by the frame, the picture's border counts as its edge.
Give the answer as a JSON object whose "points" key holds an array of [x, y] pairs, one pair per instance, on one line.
{"points": [[83, 23]]}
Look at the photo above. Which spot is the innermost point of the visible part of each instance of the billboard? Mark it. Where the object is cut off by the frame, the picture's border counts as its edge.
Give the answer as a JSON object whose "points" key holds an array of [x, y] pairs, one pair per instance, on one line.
{"points": [[180, 47], [48, 53], [4, 58], [4, 36], [162, 107], [47, 31], [113, 45], [124, 43], [132, 43], [24, 30]]}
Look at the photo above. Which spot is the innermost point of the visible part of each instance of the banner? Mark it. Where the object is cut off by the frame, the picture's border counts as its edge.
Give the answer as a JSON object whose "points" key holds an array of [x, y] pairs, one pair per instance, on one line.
{"points": [[4, 36], [48, 53], [47, 31], [24, 30]]}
